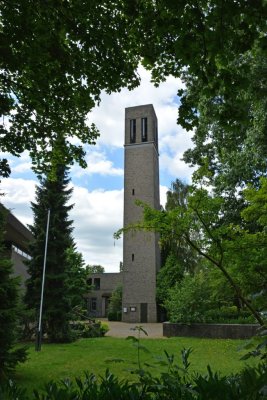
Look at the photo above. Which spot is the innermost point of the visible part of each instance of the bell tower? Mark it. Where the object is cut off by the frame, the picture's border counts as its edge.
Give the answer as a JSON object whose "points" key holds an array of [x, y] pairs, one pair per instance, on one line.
{"points": [[141, 255]]}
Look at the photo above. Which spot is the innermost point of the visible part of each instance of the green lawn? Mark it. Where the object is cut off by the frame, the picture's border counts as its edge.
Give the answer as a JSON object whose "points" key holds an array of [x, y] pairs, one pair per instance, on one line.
{"points": [[70, 360]]}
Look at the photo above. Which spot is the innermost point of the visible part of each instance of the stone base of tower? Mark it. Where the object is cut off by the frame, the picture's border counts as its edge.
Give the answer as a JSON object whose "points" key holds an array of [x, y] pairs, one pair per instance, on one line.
{"points": [[139, 312]]}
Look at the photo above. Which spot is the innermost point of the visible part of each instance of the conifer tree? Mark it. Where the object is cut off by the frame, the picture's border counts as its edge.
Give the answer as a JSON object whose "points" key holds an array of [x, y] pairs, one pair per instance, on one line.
{"points": [[9, 311], [52, 194]]}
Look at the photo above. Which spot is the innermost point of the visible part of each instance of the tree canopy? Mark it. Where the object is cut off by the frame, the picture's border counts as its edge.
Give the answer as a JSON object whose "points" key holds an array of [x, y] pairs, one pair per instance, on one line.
{"points": [[56, 58], [218, 49], [238, 254], [95, 269]]}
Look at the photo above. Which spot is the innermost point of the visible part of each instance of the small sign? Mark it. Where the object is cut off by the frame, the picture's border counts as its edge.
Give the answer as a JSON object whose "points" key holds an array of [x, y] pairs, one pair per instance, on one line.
{"points": [[133, 308]]}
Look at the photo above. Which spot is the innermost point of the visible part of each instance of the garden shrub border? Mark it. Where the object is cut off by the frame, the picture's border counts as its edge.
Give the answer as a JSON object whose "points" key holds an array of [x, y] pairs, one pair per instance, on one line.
{"points": [[212, 331]]}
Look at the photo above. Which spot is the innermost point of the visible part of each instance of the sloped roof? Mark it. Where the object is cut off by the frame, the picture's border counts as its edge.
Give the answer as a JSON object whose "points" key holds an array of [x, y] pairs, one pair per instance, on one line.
{"points": [[15, 232]]}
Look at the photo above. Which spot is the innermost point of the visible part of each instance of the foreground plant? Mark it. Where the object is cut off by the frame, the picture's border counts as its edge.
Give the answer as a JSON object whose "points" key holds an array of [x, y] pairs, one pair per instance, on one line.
{"points": [[176, 383]]}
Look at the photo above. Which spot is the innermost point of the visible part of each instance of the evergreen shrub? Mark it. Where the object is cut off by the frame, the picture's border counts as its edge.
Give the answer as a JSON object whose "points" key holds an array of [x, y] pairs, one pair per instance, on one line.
{"points": [[229, 315], [114, 315], [85, 329], [115, 305]]}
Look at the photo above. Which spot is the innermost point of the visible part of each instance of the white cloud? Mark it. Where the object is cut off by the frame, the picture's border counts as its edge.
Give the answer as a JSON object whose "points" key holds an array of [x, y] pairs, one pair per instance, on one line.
{"points": [[175, 167], [109, 116], [173, 140], [20, 164], [97, 163], [176, 141], [18, 193], [163, 195], [23, 167], [96, 216]]}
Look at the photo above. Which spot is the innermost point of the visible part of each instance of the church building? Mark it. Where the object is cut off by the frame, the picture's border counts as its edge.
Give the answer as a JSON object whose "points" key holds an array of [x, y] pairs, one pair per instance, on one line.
{"points": [[141, 254]]}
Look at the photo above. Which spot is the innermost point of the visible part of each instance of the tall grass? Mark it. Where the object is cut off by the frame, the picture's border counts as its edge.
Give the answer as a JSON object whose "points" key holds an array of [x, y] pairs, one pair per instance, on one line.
{"points": [[58, 361]]}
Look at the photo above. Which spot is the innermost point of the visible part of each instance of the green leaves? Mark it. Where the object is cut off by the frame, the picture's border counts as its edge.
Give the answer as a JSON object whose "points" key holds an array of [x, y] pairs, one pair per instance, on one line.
{"points": [[53, 70], [202, 223], [257, 207], [188, 300], [218, 50]]}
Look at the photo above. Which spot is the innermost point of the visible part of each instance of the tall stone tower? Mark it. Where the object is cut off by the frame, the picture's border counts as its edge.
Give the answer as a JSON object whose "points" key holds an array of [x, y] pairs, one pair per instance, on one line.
{"points": [[141, 256]]}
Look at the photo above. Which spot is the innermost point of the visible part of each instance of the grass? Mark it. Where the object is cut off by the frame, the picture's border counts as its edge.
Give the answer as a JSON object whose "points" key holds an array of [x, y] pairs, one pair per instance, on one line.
{"points": [[58, 361]]}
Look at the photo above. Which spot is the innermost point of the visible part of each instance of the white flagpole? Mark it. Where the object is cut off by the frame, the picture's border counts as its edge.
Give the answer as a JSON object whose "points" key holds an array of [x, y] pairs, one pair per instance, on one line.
{"points": [[39, 331]]}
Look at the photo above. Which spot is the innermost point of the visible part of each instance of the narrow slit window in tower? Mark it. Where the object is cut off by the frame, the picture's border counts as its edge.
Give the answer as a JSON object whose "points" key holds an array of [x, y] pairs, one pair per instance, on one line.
{"points": [[132, 130], [93, 304], [144, 129], [132, 257], [133, 192], [97, 283]]}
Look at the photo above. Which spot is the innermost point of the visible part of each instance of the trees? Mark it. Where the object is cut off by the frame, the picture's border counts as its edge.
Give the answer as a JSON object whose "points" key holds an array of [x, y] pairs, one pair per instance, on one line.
{"points": [[186, 275], [178, 259], [9, 312], [188, 300], [56, 60], [255, 278], [218, 50], [171, 273], [76, 281], [226, 246], [55, 195], [95, 269], [187, 259]]}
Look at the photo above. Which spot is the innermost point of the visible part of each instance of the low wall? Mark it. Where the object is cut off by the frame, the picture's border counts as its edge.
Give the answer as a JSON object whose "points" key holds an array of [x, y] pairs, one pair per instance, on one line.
{"points": [[215, 331]]}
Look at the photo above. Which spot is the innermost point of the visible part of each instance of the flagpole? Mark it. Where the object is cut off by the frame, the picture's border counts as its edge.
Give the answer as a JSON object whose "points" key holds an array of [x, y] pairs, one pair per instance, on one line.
{"points": [[39, 331]]}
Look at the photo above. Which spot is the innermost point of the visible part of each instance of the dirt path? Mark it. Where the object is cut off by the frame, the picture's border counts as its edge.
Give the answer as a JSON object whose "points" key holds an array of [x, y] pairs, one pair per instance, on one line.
{"points": [[123, 329]]}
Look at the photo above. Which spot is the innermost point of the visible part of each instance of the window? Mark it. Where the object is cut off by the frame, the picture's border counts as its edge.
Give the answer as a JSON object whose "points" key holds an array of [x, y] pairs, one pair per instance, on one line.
{"points": [[21, 252], [93, 304], [156, 133], [144, 129], [97, 283], [132, 257], [133, 192], [132, 130]]}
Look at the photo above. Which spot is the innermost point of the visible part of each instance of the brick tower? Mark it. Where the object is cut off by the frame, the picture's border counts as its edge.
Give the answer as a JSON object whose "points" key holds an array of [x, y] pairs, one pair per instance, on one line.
{"points": [[141, 256]]}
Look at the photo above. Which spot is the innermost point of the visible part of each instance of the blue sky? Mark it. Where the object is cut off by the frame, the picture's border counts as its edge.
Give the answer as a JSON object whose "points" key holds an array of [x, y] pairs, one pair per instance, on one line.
{"points": [[98, 190]]}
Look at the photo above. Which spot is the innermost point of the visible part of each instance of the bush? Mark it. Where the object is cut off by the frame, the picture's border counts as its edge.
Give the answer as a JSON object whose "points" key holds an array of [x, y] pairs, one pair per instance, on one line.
{"points": [[114, 315], [229, 315], [115, 305], [27, 328], [188, 300], [88, 329]]}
